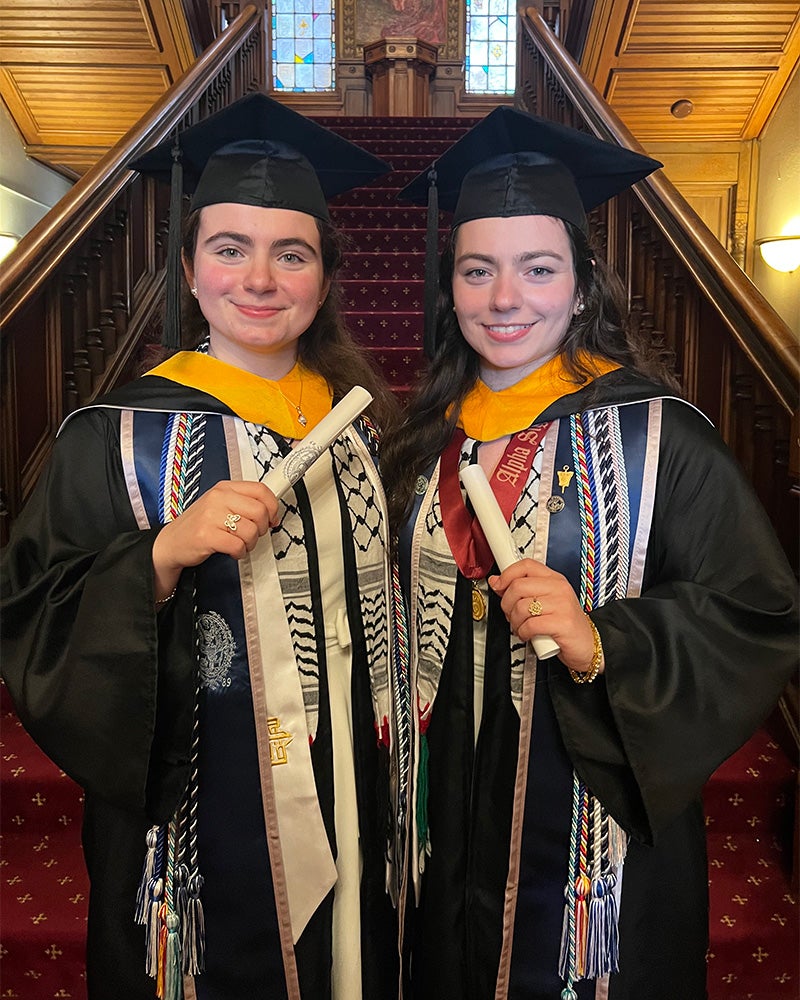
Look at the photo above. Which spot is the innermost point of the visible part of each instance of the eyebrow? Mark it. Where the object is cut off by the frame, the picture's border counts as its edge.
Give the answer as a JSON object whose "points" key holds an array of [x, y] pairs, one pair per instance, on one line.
{"points": [[243, 240], [521, 258]]}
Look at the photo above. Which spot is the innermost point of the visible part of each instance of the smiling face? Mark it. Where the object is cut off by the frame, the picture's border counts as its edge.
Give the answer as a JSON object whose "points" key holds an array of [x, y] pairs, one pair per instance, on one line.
{"points": [[514, 291], [260, 282]]}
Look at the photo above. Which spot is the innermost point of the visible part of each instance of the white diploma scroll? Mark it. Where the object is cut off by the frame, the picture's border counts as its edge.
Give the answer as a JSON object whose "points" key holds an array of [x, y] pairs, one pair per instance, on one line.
{"points": [[295, 465], [499, 537]]}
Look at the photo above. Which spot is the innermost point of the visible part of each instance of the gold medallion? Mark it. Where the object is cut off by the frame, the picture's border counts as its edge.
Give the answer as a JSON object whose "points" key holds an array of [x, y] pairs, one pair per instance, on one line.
{"points": [[478, 604], [555, 504]]}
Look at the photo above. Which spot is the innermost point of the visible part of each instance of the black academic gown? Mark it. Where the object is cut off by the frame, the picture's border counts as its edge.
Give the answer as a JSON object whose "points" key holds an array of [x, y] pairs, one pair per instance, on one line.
{"points": [[106, 686], [693, 666]]}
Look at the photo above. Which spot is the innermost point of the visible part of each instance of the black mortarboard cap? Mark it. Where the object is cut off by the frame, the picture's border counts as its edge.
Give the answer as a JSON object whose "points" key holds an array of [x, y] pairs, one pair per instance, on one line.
{"points": [[512, 163], [254, 152]]}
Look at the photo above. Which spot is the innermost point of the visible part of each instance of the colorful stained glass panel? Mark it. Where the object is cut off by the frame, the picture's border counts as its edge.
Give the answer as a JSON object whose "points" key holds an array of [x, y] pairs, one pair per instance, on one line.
{"points": [[303, 45], [491, 46]]}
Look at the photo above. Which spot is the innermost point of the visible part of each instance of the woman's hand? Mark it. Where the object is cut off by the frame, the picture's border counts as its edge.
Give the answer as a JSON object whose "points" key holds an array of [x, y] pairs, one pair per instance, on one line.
{"points": [[201, 530], [561, 615]]}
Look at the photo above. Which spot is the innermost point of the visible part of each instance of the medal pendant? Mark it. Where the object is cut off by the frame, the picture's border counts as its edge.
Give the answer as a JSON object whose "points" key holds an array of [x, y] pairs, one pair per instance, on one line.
{"points": [[478, 604]]}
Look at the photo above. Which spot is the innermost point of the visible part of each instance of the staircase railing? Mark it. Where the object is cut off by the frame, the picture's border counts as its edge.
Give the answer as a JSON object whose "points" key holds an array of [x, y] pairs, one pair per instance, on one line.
{"points": [[85, 284], [736, 358]]}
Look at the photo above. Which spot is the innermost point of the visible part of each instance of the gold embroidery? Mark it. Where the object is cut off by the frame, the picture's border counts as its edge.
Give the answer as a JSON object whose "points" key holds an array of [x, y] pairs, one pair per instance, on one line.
{"points": [[279, 740]]}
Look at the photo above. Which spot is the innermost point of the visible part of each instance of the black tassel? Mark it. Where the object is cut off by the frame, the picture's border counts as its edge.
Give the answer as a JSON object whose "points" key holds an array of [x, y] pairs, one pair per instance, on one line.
{"points": [[431, 266], [171, 336]]}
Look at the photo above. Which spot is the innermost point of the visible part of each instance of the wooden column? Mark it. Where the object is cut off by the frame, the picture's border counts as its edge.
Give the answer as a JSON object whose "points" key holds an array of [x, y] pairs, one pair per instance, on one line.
{"points": [[401, 69]]}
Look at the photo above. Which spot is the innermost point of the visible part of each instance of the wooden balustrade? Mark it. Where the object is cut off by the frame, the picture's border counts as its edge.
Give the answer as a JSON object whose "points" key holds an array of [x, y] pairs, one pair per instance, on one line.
{"points": [[737, 360], [84, 286]]}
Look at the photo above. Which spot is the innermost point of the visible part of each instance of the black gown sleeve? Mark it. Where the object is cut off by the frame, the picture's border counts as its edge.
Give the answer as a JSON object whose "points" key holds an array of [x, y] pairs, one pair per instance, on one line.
{"points": [[695, 664], [102, 682]]}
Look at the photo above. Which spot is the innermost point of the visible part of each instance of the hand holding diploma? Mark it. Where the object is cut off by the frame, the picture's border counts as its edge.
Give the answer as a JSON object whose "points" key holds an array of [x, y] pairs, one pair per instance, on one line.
{"points": [[499, 537], [232, 516]]}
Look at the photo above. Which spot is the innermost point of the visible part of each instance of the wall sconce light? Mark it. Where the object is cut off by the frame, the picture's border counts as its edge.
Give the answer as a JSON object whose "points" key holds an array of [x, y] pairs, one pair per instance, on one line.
{"points": [[781, 252], [7, 243]]}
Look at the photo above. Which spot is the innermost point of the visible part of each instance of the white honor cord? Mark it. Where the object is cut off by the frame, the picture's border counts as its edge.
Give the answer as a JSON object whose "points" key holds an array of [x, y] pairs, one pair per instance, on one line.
{"points": [[294, 465], [500, 539]]}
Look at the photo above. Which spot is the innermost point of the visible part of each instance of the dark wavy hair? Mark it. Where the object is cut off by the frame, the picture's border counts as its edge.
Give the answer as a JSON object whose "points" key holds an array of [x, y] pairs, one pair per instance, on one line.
{"points": [[326, 347], [600, 330]]}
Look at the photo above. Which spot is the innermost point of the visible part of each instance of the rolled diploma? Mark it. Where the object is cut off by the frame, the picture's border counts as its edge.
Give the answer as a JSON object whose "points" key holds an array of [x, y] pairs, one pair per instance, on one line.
{"points": [[295, 465], [499, 537]]}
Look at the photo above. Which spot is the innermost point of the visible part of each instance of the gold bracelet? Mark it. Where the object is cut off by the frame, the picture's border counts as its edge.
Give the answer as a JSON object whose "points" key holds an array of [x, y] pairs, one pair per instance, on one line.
{"points": [[164, 600], [586, 677]]}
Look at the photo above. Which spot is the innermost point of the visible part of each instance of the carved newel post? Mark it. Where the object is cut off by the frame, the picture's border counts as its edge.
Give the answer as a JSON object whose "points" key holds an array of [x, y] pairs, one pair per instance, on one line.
{"points": [[401, 70]]}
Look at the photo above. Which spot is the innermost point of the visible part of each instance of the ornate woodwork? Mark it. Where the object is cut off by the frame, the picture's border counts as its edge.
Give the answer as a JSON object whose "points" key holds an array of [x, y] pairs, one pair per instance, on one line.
{"points": [[84, 286]]}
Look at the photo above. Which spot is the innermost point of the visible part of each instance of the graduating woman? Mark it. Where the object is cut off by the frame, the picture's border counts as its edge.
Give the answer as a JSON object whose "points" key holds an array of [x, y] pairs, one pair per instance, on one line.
{"points": [[211, 664], [558, 842]]}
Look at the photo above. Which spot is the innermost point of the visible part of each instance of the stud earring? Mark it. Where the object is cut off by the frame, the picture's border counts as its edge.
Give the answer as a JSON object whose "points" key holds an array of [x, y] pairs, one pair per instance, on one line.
{"points": [[193, 290], [580, 307]]}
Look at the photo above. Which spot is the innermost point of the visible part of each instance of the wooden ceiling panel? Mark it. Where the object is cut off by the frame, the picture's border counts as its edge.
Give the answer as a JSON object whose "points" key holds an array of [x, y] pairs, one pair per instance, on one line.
{"points": [[77, 74], [732, 60], [110, 24], [91, 106], [722, 103], [737, 26]]}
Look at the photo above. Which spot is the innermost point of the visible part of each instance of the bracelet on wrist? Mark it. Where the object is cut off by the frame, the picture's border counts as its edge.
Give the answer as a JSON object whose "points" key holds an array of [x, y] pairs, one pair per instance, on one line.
{"points": [[586, 677], [163, 601]]}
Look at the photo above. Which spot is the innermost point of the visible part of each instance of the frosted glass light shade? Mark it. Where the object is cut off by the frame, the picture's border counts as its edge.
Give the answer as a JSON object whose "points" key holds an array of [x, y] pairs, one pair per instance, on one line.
{"points": [[781, 252]]}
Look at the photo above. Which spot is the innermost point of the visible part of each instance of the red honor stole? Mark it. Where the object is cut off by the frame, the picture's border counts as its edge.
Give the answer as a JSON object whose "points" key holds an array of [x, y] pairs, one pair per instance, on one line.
{"points": [[464, 534]]}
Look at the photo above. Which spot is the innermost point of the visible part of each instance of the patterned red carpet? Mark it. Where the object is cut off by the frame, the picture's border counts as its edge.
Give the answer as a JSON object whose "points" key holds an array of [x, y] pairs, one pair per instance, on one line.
{"points": [[44, 889], [749, 801]]}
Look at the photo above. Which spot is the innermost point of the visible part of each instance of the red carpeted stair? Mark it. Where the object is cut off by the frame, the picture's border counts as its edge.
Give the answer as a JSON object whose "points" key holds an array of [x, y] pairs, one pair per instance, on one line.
{"points": [[382, 280], [749, 801]]}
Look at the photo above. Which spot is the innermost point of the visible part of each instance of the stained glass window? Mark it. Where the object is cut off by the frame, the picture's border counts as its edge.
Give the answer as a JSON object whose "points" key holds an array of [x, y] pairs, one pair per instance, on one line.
{"points": [[303, 45], [491, 46]]}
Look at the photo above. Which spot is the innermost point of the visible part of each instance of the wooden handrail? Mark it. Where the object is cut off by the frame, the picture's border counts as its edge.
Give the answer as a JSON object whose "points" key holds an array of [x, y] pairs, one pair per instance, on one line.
{"points": [[46, 245], [760, 332], [82, 293]]}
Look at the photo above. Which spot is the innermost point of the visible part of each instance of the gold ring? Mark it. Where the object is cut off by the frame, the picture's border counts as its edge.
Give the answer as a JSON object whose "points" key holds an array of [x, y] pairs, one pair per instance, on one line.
{"points": [[535, 608], [230, 521]]}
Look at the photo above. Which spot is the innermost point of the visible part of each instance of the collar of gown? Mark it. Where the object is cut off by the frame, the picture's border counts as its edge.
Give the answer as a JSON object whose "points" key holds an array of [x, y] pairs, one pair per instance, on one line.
{"points": [[255, 399], [487, 415]]}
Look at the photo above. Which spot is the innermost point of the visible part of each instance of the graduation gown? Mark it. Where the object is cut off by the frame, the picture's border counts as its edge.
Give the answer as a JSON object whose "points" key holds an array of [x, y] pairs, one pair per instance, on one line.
{"points": [[130, 701], [696, 607]]}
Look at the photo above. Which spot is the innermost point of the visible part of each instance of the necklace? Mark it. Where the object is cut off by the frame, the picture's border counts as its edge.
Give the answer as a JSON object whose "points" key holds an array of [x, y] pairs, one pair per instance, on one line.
{"points": [[302, 419]]}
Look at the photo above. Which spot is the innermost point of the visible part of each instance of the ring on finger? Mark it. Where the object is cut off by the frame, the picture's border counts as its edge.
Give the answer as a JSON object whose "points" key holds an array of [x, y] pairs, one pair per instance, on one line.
{"points": [[535, 608], [230, 521]]}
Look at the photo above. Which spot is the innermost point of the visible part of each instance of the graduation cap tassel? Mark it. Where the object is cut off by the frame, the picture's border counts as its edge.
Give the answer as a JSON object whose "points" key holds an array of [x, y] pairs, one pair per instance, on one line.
{"points": [[171, 337], [431, 265]]}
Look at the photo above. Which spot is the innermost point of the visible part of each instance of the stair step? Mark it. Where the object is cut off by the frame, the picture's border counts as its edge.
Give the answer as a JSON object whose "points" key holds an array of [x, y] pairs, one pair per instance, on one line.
{"points": [[374, 239], [388, 328], [383, 296], [400, 125], [390, 265], [393, 216]]}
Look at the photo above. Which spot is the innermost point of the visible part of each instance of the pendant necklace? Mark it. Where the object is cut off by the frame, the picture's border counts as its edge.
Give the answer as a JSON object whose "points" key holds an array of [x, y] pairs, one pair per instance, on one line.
{"points": [[302, 419]]}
